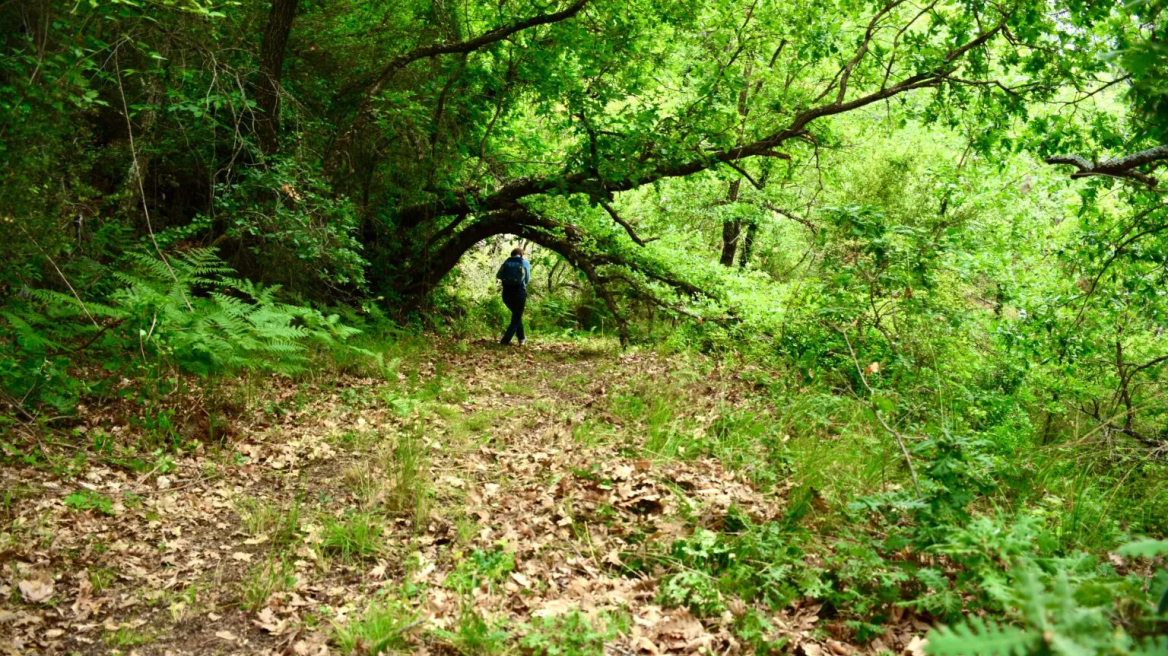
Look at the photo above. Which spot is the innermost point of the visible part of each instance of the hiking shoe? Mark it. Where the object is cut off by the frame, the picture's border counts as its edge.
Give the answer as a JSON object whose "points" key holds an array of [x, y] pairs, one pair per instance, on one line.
{"points": [[522, 342]]}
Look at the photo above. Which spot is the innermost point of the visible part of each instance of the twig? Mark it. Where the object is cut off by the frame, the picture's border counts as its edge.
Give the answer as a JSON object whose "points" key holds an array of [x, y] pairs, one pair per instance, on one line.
{"points": [[60, 273], [625, 224], [138, 178], [876, 411]]}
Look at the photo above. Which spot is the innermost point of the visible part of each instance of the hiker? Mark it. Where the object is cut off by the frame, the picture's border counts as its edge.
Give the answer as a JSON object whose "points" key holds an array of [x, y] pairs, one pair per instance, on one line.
{"points": [[515, 273]]}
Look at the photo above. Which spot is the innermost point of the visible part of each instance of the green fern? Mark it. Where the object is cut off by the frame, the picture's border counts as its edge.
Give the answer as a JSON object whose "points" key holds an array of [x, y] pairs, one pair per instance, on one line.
{"points": [[1152, 647], [186, 313], [1145, 548], [976, 637]]}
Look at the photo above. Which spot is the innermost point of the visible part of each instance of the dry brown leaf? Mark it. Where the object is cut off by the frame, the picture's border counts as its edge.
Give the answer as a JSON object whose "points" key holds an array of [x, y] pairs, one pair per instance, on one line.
{"points": [[36, 590], [266, 619], [810, 649], [916, 646]]}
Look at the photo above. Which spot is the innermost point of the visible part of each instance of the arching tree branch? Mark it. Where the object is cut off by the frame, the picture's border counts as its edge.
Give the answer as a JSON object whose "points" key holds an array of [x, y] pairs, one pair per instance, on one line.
{"points": [[1119, 167], [470, 45], [586, 182]]}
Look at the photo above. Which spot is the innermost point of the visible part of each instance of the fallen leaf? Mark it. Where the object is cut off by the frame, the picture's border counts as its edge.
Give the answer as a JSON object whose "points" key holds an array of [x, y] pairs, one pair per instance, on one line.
{"points": [[36, 590], [226, 635], [267, 620], [810, 649], [916, 646]]}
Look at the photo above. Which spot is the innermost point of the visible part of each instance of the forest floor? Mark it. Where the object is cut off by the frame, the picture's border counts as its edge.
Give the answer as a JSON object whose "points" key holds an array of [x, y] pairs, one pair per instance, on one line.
{"points": [[477, 500]]}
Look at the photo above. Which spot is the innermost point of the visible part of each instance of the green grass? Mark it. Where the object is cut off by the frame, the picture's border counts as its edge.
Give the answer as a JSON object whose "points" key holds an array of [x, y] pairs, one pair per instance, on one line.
{"points": [[101, 577], [260, 517], [354, 537], [381, 628], [512, 388], [593, 432], [479, 422], [364, 482], [125, 637], [276, 574], [407, 489], [474, 635]]}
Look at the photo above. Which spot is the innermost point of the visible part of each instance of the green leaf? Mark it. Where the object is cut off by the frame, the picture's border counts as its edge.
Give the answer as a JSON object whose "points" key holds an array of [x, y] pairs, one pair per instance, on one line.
{"points": [[976, 637], [1145, 548]]}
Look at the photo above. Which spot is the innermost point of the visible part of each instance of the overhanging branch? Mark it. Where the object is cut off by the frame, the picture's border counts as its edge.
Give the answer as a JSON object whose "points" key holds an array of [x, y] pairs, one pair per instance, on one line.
{"points": [[470, 45], [586, 182], [1119, 167]]}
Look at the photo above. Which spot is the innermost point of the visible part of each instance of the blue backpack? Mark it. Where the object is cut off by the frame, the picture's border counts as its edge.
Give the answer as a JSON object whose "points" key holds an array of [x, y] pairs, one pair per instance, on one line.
{"points": [[512, 273]]}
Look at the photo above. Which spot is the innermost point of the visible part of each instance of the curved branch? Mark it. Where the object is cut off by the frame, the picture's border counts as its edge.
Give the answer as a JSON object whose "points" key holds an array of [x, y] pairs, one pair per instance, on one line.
{"points": [[1118, 167], [790, 215], [562, 238], [470, 45], [396, 64], [588, 183], [625, 224]]}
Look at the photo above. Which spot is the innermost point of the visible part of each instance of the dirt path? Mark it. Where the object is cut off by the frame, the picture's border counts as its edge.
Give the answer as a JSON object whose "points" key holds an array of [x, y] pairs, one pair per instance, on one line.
{"points": [[482, 502]]}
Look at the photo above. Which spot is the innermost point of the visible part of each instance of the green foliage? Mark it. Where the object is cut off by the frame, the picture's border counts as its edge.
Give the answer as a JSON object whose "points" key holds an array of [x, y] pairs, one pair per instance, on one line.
{"points": [[963, 349], [475, 635], [352, 537], [693, 590], [481, 567], [259, 518], [571, 634], [381, 628], [89, 500], [1062, 606], [983, 639], [181, 313], [275, 574], [298, 231]]}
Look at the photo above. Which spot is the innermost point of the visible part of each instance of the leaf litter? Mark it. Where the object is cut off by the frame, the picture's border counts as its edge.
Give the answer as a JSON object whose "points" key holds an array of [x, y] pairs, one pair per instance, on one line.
{"points": [[170, 567]]}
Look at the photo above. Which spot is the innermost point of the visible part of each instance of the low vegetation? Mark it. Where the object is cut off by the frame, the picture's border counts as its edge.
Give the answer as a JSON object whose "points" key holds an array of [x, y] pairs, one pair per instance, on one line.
{"points": [[848, 328]]}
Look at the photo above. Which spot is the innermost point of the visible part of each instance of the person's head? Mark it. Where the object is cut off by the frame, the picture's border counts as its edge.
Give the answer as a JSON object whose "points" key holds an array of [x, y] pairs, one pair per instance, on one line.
{"points": [[516, 252]]}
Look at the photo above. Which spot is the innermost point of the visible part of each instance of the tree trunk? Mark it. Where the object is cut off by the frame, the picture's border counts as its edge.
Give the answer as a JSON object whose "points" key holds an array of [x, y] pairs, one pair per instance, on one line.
{"points": [[748, 245], [731, 229], [272, 51]]}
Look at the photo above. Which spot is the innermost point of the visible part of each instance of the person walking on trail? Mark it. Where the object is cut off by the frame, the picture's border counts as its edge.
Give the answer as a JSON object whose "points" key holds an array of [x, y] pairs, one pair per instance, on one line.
{"points": [[515, 274]]}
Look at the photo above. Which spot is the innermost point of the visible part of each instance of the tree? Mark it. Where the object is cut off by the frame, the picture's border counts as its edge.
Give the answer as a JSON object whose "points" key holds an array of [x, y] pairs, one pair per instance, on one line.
{"points": [[268, 88]]}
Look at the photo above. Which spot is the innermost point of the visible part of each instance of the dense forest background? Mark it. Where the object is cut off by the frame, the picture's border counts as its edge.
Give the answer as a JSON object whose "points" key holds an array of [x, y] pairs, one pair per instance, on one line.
{"points": [[941, 219]]}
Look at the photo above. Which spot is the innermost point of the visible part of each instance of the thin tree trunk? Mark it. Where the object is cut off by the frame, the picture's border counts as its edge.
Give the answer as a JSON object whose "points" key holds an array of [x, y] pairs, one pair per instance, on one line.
{"points": [[272, 50], [748, 245], [731, 229]]}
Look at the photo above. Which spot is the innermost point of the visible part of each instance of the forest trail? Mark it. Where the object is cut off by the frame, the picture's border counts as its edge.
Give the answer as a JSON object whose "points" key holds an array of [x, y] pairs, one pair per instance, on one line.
{"points": [[481, 497]]}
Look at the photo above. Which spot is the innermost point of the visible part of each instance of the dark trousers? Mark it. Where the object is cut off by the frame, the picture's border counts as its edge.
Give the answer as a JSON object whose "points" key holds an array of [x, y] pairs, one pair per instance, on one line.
{"points": [[515, 299]]}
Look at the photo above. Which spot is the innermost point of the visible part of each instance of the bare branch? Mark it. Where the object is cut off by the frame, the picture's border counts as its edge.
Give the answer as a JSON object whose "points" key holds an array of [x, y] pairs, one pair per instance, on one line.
{"points": [[1119, 167], [625, 224], [754, 183], [470, 45]]}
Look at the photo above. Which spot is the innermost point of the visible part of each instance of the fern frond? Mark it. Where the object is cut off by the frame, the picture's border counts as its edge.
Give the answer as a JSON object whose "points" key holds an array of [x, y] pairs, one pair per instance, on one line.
{"points": [[1145, 548], [975, 637], [1157, 646]]}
